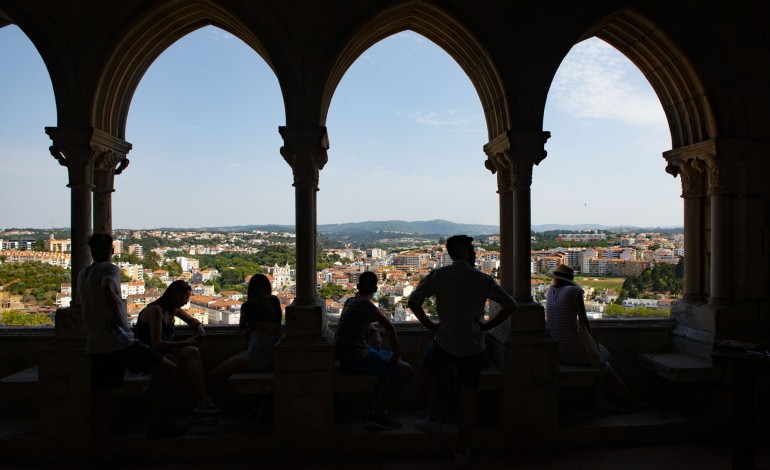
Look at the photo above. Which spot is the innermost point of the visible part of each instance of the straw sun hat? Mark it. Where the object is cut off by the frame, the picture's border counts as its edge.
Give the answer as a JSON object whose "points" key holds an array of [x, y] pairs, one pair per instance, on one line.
{"points": [[563, 273]]}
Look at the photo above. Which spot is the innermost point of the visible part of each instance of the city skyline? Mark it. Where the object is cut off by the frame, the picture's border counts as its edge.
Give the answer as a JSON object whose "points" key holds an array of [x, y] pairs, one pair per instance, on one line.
{"points": [[398, 133]]}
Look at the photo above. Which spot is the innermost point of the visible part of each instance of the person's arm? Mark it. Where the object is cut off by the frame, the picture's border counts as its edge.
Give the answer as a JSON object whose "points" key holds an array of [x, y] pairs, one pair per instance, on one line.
{"points": [[192, 321], [112, 298], [581, 312], [501, 316], [154, 317], [391, 330], [498, 294], [424, 289], [374, 336]]}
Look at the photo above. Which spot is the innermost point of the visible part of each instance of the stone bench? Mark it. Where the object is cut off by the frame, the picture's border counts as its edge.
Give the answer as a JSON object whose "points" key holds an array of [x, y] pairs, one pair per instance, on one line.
{"points": [[679, 367], [24, 383], [492, 378], [578, 376], [27, 383], [252, 383]]}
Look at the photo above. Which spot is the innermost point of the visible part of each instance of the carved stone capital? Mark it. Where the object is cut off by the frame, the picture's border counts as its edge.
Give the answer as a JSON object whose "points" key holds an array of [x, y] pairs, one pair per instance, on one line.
{"points": [[85, 149], [499, 165], [717, 159], [304, 149], [517, 152]]}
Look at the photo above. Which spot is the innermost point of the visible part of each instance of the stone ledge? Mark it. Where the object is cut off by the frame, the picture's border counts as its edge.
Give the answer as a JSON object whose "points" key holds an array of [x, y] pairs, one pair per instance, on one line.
{"points": [[577, 376], [26, 383], [679, 367], [248, 383]]}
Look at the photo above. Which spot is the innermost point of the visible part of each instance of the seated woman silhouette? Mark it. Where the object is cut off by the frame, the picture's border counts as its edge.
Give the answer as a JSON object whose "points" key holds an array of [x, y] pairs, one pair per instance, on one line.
{"points": [[261, 322], [155, 328], [567, 320]]}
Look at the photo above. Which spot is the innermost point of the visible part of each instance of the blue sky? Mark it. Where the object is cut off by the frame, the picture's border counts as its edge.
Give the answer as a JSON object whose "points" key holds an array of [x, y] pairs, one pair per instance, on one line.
{"points": [[406, 132]]}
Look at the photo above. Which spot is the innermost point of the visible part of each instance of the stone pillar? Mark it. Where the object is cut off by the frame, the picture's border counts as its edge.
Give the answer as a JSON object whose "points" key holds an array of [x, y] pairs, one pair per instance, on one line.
{"points": [[63, 364], [305, 151], [72, 149], [692, 173], [304, 359], [528, 356], [720, 268], [110, 161], [498, 163]]}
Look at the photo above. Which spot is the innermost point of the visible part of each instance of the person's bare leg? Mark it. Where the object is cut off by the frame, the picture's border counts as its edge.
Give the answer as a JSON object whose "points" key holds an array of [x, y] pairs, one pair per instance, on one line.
{"points": [[231, 365], [618, 386], [390, 389], [189, 359], [164, 373]]}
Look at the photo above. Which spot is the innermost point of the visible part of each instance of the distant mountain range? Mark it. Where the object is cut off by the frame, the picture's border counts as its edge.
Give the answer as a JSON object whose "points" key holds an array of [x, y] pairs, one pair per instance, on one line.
{"points": [[432, 227]]}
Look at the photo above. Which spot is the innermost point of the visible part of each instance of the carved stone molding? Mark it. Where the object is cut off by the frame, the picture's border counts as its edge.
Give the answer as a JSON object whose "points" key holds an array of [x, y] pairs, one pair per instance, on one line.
{"points": [[85, 149], [499, 165], [305, 150], [521, 150], [719, 160]]}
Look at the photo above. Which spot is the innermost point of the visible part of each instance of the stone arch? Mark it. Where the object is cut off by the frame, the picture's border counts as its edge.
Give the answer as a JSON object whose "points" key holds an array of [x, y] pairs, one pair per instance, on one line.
{"points": [[148, 38], [443, 30], [669, 70]]}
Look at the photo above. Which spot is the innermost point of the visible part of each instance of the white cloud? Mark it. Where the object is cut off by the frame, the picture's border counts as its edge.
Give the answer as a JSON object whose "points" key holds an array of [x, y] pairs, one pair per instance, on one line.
{"points": [[435, 119], [596, 81]]}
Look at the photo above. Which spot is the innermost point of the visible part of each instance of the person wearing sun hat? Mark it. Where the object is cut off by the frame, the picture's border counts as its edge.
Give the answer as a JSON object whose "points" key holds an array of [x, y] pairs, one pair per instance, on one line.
{"points": [[568, 323]]}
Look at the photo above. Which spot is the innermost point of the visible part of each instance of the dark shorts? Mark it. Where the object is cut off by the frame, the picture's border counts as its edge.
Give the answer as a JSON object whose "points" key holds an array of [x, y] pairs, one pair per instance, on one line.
{"points": [[374, 363], [468, 367], [107, 369]]}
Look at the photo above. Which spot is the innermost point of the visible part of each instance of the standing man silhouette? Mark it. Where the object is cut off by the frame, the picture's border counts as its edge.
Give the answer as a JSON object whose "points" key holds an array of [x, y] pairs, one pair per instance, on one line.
{"points": [[461, 293]]}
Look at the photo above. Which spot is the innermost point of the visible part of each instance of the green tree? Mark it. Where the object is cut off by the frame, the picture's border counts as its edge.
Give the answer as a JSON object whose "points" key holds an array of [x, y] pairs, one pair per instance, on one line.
{"points": [[331, 291], [38, 246], [18, 318], [151, 261]]}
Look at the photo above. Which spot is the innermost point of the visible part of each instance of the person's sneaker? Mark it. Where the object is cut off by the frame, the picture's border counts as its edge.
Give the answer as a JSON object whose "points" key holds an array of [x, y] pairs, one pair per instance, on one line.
{"points": [[430, 426], [206, 406], [204, 419], [382, 421], [165, 430], [462, 458]]}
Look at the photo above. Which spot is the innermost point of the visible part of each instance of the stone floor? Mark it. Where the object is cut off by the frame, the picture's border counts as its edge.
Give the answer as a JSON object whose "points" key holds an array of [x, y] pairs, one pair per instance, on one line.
{"points": [[237, 443]]}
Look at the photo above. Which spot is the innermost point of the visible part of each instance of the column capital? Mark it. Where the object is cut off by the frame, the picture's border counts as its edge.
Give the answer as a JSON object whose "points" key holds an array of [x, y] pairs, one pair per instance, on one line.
{"points": [[499, 165], [83, 149], [718, 159], [521, 150], [304, 149]]}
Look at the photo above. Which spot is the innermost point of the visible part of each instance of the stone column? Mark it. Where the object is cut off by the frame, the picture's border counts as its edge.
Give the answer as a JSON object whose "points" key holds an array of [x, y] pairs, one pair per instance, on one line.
{"points": [[110, 161], [528, 356], [720, 231], [63, 365], [692, 175], [72, 148], [497, 163], [305, 151], [304, 359]]}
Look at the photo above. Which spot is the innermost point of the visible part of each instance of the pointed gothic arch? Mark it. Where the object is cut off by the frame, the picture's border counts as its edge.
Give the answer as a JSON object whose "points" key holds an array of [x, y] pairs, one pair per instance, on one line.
{"points": [[147, 40], [442, 29]]}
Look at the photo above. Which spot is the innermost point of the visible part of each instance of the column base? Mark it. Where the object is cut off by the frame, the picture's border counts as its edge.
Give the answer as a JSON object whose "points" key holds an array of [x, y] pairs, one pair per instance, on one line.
{"points": [[531, 390], [68, 323], [303, 382], [65, 390]]}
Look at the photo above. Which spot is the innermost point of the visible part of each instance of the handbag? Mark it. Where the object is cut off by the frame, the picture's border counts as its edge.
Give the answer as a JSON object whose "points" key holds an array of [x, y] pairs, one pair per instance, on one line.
{"points": [[597, 354]]}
